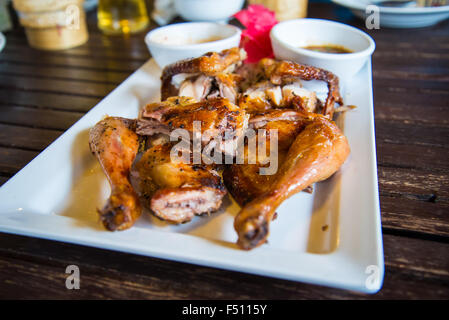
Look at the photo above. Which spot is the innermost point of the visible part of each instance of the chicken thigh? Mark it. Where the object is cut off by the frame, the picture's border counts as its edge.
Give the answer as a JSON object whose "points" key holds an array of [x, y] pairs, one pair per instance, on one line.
{"points": [[315, 154]]}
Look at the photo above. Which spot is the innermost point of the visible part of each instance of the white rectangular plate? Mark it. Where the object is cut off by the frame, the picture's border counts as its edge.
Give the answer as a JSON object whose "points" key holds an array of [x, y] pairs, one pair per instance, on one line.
{"points": [[331, 237]]}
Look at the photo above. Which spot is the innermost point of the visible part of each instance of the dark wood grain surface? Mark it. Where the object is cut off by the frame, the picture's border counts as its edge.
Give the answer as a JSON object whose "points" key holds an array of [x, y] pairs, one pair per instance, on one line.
{"points": [[44, 93]]}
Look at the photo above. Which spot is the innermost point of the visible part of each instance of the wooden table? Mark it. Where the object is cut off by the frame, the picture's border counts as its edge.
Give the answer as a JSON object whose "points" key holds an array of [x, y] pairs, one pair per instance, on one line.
{"points": [[44, 93]]}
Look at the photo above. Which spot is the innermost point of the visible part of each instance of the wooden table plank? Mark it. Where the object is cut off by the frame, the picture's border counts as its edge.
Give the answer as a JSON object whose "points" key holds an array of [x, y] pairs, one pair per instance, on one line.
{"points": [[12, 160], [62, 73], [412, 157], [37, 118], [26, 138], [69, 61], [398, 132], [71, 87], [420, 185], [47, 100], [3, 179], [408, 216], [40, 265]]}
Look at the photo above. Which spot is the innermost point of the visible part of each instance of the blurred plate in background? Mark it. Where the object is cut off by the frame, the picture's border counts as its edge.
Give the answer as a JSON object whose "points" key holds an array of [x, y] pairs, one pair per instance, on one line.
{"points": [[406, 17]]}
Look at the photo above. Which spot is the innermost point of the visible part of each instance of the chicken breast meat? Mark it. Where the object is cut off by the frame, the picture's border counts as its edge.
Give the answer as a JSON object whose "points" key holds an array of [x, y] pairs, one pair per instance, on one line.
{"points": [[216, 118]]}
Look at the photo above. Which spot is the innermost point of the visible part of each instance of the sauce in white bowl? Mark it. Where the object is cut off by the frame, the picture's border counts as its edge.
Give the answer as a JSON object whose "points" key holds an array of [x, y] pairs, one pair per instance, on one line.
{"points": [[190, 40], [291, 38]]}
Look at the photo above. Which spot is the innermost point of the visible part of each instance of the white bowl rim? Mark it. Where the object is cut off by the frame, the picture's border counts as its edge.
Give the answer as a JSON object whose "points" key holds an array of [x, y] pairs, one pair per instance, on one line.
{"points": [[323, 55], [148, 41], [413, 10]]}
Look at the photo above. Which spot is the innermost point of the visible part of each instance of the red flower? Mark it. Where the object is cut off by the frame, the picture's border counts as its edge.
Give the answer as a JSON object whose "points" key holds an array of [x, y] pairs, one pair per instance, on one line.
{"points": [[258, 21]]}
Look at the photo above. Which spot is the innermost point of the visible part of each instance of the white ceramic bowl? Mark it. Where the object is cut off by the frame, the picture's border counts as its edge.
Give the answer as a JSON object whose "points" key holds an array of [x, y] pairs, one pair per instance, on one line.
{"points": [[187, 40], [207, 10], [288, 39]]}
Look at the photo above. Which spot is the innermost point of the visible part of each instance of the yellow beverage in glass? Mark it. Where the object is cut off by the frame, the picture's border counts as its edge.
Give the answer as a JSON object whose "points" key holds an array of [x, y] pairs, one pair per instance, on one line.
{"points": [[122, 16]]}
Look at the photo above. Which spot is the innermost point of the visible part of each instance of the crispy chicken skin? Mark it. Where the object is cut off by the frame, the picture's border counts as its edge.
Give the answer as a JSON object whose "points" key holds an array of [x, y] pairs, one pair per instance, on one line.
{"points": [[217, 116], [115, 144], [176, 191], [243, 181], [317, 152], [277, 84], [209, 65], [226, 98], [281, 72]]}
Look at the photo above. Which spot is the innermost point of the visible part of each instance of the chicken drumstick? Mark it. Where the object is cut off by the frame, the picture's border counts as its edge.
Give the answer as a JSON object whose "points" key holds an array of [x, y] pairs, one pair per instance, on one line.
{"points": [[115, 144]]}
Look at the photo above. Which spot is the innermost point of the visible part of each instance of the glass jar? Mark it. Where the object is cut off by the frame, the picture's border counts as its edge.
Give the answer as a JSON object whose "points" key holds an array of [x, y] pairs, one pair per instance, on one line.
{"points": [[122, 16], [53, 24]]}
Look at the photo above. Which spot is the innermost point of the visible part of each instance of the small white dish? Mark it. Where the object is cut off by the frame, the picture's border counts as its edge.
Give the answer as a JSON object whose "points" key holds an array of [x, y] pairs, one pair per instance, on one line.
{"points": [[207, 10], [192, 39], [408, 17], [288, 39]]}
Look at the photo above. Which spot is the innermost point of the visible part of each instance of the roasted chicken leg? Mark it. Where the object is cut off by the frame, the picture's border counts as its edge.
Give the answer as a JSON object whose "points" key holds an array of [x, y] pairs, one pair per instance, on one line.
{"points": [[316, 153], [115, 144]]}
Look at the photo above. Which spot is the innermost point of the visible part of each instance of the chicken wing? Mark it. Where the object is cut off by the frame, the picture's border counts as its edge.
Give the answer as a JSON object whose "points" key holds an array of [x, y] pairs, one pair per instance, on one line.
{"points": [[284, 72], [317, 152], [207, 76], [277, 84], [115, 144]]}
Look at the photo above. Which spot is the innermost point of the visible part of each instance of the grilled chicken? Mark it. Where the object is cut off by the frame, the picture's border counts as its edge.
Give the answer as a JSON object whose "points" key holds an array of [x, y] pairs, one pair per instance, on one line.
{"points": [[225, 99], [316, 153], [176, 191], [286, 72], [277, 84], [204, 77], [218, 118], [244, 180], [265, 95], [115, 144]]}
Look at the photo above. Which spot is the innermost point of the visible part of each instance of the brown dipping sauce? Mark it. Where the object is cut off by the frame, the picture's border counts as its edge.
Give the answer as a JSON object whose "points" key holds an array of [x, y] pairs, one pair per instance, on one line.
{"points": [[211, 39], [330, 48]]}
